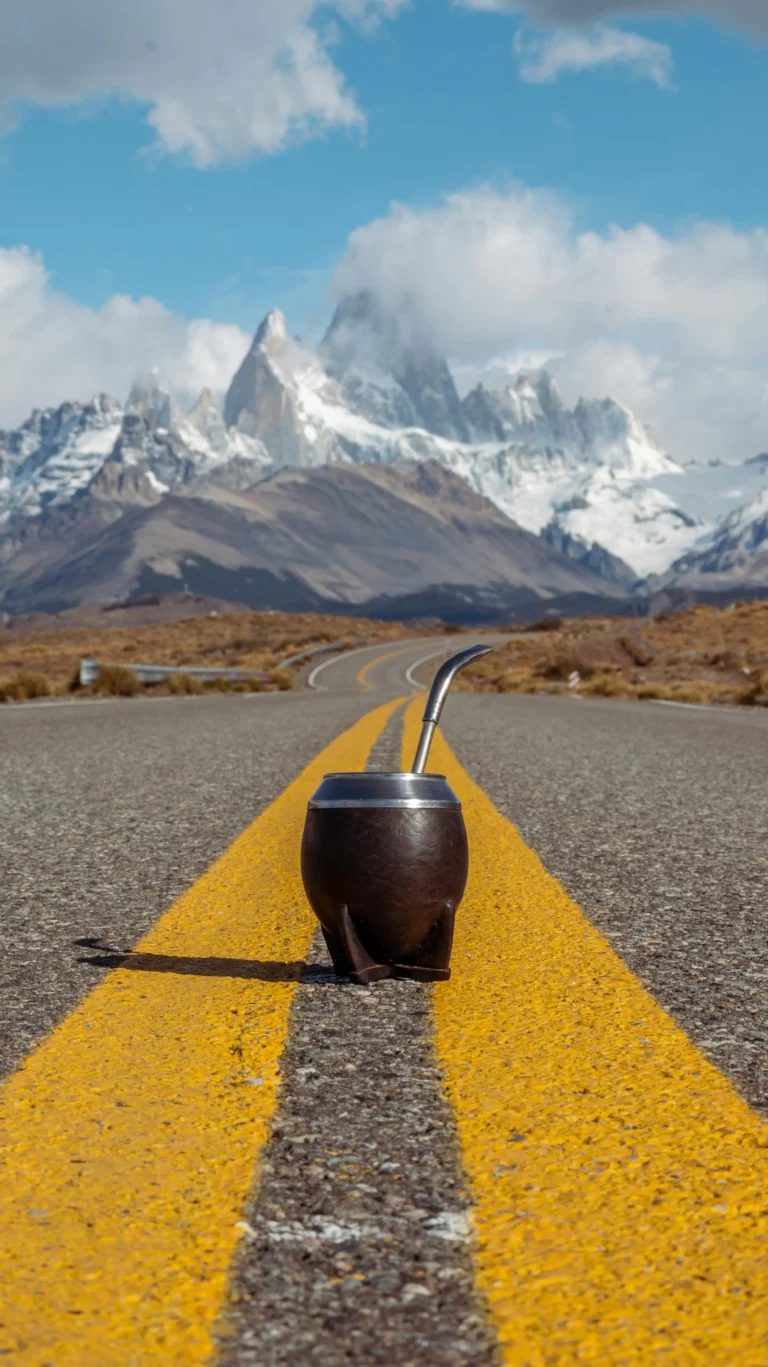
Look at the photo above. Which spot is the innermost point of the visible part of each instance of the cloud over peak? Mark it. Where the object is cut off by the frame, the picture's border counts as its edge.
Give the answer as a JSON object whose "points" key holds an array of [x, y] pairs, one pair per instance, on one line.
{"points": [[675, 326]]}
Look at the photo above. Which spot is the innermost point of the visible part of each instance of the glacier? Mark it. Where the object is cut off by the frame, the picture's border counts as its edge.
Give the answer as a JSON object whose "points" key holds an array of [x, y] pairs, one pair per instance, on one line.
{"points": [[733, 557]]}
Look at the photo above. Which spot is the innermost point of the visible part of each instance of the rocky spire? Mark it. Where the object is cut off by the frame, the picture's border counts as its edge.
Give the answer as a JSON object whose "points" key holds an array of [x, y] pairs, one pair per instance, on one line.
{"points": [[390, 369], [151, 398]]}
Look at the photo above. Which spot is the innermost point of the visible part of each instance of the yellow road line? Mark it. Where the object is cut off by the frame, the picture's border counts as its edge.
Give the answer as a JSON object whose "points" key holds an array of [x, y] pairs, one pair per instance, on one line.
{"points": [[619, 1180], [129, 1137], [362, 676]]}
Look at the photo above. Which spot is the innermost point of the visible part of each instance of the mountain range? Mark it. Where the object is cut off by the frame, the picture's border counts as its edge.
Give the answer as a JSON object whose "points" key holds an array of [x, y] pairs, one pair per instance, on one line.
{"points": [[354, 474]]}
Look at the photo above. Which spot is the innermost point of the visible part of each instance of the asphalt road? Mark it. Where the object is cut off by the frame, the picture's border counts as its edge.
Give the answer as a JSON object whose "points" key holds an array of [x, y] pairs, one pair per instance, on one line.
{"points": [[655, 820], [356, 1248], [108, 811]]}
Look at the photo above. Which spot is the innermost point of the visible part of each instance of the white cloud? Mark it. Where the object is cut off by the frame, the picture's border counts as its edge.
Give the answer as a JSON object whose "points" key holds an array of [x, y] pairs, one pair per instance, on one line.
{"points": [[52, 349], [546, 56], [675, 326], [219, 80], [747, 14]]}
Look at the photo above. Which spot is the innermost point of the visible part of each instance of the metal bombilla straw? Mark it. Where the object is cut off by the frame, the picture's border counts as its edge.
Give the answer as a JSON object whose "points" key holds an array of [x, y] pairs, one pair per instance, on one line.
{"points": [[437, 696]]}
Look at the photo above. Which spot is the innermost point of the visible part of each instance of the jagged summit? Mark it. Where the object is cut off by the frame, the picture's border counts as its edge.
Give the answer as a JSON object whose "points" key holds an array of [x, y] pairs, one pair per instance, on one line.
{"points": [[204, 402], [278, 393], [206, 418], [389, 369], [600, 431], [534, 396], [151, 398], [55, 453], [530, 405], [376, 392], [362, 322], [272, 329]]}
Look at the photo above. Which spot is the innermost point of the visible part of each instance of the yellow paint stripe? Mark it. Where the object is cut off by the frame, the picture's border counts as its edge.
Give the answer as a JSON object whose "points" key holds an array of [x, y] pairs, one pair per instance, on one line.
{"points": [[129, 1137], [362, 676], [619, 1180]]}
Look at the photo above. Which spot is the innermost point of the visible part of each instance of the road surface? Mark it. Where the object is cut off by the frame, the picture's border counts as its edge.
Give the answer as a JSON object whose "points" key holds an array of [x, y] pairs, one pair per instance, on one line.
{"points": [[216, 1152]]}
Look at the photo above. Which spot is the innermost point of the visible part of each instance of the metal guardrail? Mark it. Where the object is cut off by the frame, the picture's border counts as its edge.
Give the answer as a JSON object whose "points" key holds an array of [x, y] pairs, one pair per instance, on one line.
{"points": [[91, 669]]}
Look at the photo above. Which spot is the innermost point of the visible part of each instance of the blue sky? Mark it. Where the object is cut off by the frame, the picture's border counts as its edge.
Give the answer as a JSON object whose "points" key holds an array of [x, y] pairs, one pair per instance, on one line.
{"points": [[445, 110]]}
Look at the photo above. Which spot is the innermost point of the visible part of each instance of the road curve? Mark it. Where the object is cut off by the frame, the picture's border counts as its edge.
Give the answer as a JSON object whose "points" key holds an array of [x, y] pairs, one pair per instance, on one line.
{"points": [[355, 1238]]}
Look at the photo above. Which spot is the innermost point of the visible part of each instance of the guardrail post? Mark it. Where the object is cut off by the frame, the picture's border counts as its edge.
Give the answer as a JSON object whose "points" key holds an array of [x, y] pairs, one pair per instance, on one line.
{"points": [[89, 672]]}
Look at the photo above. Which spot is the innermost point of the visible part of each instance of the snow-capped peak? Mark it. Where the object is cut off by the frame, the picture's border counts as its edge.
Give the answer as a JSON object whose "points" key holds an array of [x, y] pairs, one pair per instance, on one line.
{"points": [[54, 454], [389, 369], [744, 518], [273, 329], [534, 398], [377, 391], [597, 432], [275, 392], [733, 555], [205, 433], [207, 420], [151, 397]]}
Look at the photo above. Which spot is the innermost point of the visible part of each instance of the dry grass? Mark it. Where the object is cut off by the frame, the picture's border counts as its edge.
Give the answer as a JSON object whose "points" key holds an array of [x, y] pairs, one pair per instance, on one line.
{"points": [[704, 655], [23, 686], [118, 681], [46, 660]]}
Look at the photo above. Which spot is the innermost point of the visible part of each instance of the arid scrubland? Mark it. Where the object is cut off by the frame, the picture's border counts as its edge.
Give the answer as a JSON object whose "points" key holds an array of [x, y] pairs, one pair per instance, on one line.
{"points": [[703, 655], [45, 661]]}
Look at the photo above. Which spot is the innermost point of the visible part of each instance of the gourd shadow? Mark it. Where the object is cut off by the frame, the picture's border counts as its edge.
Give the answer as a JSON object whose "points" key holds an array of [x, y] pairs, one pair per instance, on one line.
{"points": [[264, 970]]}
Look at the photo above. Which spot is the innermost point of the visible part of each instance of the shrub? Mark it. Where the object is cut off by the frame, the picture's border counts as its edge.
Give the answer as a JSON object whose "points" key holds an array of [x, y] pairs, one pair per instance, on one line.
{"points": [[184, 684], [23, 686], [637, 651], [607, 685], [509, 683], [724, 659], [755, 694], [283, 678], [560, 664], [253, 685], [118, 681], [691, 692]]}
